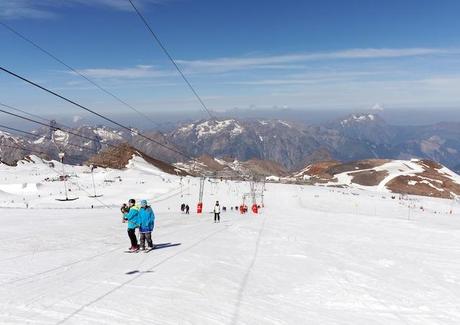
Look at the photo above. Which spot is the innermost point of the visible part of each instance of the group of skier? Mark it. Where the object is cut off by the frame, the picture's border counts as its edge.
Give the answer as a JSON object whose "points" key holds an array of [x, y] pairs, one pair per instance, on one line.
{"points": [[142, 217], [139, 217]]}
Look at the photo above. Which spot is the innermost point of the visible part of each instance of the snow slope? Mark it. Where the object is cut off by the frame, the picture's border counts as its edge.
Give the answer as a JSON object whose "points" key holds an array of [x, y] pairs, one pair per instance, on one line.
{"points": [[313, 256], [394, 168], [418, 177]]}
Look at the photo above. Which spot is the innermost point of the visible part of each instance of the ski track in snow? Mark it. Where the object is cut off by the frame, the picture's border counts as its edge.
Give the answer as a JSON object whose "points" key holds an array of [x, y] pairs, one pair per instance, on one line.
{"points": [[313, 255]]}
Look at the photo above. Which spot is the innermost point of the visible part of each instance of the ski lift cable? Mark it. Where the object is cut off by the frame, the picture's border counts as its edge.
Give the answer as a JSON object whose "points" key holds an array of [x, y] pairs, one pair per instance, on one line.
{"points": [[55, 58], [59, 128], [47, 125], [94, 112], [166, 52], [27, 113], [63, 127], [35, 115], [25, 149], [38, 136], [35, 135]]}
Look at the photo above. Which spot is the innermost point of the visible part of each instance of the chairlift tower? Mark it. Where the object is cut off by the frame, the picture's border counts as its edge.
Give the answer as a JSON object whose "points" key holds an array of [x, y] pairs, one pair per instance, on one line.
{"points": [[252, 184], [262, 194], [94, 185], [61, 157], [199, 208]]}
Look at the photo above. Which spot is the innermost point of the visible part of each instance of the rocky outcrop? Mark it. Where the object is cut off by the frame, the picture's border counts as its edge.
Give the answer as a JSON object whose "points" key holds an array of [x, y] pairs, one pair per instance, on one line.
{"points": [[119, 157], [415, 177]]}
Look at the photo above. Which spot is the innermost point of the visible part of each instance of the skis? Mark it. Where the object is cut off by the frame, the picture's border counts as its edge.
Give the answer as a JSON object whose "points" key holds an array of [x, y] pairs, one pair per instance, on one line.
{"points": [[132, 251], [147, 250]]}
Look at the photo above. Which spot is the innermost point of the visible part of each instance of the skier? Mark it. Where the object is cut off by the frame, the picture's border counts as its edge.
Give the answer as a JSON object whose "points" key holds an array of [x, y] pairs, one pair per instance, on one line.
{"points": [[133, 222], [217, 212], [146, 224], [182, 207], [187, 209]]}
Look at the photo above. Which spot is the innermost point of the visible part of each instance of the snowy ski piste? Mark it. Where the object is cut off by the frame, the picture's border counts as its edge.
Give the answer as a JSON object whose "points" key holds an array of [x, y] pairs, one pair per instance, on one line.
{"points": [[313, 255]]}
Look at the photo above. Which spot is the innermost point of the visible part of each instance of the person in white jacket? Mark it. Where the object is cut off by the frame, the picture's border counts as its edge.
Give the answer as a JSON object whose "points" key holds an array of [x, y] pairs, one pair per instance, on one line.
{"points": [[217, 212]]}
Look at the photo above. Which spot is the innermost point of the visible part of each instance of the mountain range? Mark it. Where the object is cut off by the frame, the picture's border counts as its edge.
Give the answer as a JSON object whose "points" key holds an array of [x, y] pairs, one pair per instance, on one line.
{"points": [[288, 145]]}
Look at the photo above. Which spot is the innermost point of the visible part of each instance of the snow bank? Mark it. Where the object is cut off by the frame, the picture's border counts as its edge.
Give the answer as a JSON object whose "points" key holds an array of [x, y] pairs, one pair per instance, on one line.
{"points": [[19, 189]]}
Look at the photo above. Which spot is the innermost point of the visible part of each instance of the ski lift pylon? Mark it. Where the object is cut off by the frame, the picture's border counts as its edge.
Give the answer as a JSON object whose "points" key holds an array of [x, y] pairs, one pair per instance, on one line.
{"points": [[199, 208], [61, 157]]}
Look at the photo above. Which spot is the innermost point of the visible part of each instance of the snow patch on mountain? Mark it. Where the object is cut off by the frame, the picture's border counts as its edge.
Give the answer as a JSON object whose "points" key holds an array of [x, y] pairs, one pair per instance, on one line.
{"points": [[61, 136], [106, 135], [40, 140], [284, 123], [208, 128], [358, 118], [9, 136]]}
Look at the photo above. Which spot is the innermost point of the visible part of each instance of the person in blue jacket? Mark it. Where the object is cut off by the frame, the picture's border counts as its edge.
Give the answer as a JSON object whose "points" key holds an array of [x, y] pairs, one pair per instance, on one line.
{"points": [[133, 222], [146, 224]]}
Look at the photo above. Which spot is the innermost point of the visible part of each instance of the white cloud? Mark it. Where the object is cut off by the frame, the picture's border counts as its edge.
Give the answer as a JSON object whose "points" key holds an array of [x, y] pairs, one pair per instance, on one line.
{"points": [[378, 107], [43, 9], [417, 93], [315, 77], [137, 72], [76, 118], [242, 63], [274, 63], [12, 9]]}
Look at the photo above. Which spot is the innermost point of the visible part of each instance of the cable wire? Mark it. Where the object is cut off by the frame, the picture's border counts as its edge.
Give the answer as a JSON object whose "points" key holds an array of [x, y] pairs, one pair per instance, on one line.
{"points": [[58, 128], [26, 113], [39, 136], [65, 129], [47, 125], [25, 149], [166, 52], [93, 112], [54, 57]]}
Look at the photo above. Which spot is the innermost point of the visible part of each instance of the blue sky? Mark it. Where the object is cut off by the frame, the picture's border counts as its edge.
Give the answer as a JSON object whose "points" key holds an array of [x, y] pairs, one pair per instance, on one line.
{"points": [[327, 54]]}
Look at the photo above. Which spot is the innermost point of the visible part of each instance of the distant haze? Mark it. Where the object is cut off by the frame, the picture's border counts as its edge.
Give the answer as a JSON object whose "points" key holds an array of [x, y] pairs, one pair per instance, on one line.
{"points": [[167, 121]]}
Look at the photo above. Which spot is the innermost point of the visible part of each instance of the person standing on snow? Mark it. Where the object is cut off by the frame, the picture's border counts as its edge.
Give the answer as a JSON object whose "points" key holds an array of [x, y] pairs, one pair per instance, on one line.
{"points": [[217, 212], [146, 225], [133, 222], [187, 209]]}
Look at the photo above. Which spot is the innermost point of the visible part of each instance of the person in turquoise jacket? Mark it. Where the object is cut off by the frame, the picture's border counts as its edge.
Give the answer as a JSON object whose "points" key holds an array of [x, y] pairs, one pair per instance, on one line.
{"points": [[146, 225], [133, 222]]}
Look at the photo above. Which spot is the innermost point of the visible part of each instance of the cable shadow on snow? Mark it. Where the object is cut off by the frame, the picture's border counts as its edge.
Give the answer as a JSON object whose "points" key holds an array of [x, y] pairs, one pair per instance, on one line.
{"points": [[137, 271], [136, 276], [157, 246], [245, 280]]}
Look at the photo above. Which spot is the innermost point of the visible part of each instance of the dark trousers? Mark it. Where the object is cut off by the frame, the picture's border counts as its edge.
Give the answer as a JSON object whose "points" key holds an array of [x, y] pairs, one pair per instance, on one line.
{"points": [[132, 237], [146, 236], [216, 216]]}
